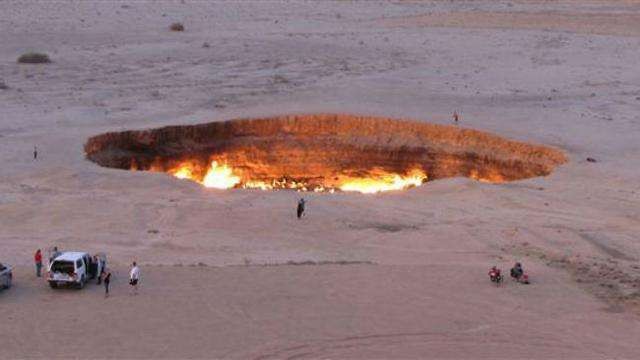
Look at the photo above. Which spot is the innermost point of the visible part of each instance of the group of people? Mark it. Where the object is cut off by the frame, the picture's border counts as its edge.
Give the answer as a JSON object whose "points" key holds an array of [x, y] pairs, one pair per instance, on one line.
{"points": [[517, 273], [134, 279], [38, 259], [104, 277]]}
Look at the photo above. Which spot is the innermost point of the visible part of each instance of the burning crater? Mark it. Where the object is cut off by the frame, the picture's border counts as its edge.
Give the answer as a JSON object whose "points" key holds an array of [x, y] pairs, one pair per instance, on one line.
{"points": [[323, 152]]}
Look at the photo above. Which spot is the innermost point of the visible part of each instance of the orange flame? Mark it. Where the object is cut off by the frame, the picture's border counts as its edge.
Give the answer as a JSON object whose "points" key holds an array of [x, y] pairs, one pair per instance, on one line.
{"points": [[217, 176], [220, 175], [382, 181]]}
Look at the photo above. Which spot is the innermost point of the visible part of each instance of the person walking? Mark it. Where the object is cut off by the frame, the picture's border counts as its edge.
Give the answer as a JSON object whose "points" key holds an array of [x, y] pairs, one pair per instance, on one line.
{"points": [[38, 260], [134, 277], [300, 210], [35, 153], [106, 279], [456, 117]]}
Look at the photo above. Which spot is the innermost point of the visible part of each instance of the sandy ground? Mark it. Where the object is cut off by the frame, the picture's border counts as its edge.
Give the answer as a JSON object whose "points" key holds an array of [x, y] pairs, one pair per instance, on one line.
{"points": [[412, 283], [307, 311]]}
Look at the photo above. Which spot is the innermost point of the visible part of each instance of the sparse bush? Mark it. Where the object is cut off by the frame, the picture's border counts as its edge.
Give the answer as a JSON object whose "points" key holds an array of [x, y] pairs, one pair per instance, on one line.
{"points": [[279, 79], [34, 58], [177, 27]]}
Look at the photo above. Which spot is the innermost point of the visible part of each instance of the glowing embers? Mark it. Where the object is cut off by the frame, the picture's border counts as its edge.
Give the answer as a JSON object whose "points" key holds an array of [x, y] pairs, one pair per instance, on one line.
{"points": [[378, 180], [220, 175]]}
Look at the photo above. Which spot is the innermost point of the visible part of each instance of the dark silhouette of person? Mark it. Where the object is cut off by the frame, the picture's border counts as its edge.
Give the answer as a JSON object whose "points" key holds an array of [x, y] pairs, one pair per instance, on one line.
{"points": [[517, 271], [106, 280], [54, 254], [300, 211], [456, 117], [35, 153]]}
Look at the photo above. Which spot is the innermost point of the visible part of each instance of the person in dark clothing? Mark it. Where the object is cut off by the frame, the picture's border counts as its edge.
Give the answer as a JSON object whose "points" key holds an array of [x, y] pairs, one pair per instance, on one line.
{"points": [[106, 279], [300, 211], [517, 271], [35, 153], [93, 268], [456, 117]]}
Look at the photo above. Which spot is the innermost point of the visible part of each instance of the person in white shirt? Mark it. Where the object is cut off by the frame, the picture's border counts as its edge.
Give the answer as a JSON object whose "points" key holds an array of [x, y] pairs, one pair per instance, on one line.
{"points": [[134, 277]]}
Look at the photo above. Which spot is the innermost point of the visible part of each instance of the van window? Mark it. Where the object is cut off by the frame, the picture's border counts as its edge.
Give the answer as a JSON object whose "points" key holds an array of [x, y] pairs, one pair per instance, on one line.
{"points": [[62, 266], [78, 264]]}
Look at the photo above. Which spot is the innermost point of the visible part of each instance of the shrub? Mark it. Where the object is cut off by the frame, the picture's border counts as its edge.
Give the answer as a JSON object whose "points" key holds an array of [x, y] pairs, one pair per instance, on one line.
{"points": [[279, 79], [34, 58], [177, 27]]}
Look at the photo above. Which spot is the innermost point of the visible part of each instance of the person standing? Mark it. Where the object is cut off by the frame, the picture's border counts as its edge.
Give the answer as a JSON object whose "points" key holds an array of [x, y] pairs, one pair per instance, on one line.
{"points": [[35, 152], [97, 269], [106, 280], [93, 268], [38, 260], [456, 117], [101, 268], [134, 277], [54, 254], [300, 210]]}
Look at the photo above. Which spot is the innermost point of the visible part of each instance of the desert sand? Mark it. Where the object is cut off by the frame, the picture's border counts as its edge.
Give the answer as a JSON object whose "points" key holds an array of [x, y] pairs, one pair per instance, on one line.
{"points": [[233, 274]]}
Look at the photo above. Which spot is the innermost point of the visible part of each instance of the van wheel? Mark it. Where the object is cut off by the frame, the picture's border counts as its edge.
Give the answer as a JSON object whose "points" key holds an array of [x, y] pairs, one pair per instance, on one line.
{"points": [[53, 285], [81, 285]]}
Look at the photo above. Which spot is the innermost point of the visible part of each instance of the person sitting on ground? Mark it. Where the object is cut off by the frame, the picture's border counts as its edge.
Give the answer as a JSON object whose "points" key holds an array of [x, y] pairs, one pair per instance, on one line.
{"points": [[517, 271], [494, 272]]}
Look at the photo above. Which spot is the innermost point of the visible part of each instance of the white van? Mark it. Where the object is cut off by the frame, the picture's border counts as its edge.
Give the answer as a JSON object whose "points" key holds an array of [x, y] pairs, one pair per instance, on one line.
{"points": [[73, 268]]}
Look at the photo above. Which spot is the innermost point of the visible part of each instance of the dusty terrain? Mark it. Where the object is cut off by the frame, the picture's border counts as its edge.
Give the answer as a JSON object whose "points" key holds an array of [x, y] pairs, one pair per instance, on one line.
{"points": [[233, 274]]}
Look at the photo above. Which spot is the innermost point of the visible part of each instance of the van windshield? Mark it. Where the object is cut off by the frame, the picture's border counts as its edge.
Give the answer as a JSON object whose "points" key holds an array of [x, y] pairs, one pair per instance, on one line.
{"points": [[63, 267]]}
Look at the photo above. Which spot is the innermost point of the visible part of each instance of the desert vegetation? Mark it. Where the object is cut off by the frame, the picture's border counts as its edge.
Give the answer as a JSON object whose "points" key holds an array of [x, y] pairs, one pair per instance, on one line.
{"points": [[176, 27], [34, 58]]}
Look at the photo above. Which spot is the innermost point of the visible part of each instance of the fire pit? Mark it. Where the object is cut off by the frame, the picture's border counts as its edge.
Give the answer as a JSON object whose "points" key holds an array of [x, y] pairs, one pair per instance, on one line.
{"points": [[322, 152]]}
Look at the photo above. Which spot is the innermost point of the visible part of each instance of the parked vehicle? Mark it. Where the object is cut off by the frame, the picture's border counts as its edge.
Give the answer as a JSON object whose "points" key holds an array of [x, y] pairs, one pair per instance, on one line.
{"points": [[74, 268], [6, 276]]}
